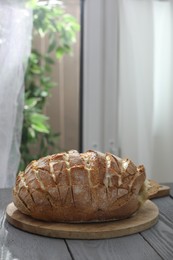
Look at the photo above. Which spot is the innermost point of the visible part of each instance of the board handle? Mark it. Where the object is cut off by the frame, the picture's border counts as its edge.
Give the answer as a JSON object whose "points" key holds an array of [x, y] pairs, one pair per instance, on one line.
{"points": [[162, 192]]}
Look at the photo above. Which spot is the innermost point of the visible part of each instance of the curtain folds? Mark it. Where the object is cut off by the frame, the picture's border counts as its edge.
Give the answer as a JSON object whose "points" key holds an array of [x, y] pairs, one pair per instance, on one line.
{"points": [[128, 81], [146, 85], [15, 45]]}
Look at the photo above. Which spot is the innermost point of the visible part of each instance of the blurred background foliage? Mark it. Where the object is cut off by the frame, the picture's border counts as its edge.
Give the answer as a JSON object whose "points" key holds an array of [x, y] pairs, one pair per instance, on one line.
{"points": [[60, 28]]}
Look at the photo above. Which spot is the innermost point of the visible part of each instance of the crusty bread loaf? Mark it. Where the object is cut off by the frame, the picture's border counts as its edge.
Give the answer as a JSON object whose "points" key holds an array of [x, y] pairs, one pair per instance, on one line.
{"points": [[86, 187]]}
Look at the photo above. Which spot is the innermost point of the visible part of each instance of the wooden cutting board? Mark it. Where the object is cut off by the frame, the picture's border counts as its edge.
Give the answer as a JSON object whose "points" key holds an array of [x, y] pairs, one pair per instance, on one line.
{"points": [[163, 191], [145, 218]]}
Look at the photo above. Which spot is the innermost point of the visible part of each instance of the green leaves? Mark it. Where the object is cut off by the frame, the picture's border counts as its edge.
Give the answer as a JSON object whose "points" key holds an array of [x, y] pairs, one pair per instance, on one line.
{"points": [[52, 45], [59, 26], [38, 139], [59, 52], [49, 60], [31, 3], [30, 103], [39, 123]]}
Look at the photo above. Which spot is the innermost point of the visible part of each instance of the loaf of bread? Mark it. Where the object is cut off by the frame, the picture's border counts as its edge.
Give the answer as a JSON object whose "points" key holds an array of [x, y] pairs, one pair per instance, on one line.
{"points": [[86, 187]]}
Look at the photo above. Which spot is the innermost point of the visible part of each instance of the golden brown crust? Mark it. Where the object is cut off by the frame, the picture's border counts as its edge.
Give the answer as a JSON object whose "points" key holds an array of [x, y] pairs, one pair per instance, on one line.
{"points": [[73, 187]]}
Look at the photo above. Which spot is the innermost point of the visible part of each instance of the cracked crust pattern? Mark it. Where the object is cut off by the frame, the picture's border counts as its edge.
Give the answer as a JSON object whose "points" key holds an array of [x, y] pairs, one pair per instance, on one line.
{"points": [[73, 187]]}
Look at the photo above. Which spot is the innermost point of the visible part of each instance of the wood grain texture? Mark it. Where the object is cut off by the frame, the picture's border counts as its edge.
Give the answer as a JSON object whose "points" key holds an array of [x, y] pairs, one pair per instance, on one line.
{"points": [[132, 247], [145, 218], [165, 207], [5, 199], [161, 236], [16, 244], [162, 192]]}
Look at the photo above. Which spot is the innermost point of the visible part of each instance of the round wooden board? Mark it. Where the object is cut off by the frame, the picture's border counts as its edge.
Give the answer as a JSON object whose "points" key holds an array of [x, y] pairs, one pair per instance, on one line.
{"points": [[145, 218]]}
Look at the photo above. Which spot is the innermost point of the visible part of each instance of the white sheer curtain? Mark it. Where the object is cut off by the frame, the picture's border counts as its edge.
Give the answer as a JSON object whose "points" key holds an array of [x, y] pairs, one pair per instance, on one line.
{"points": [[146, 85], [15, 40], [128, 67]]}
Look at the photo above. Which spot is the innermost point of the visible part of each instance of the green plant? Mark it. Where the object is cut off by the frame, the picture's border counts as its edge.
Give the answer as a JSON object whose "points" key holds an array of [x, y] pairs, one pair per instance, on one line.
{"points": [[60, 29]]}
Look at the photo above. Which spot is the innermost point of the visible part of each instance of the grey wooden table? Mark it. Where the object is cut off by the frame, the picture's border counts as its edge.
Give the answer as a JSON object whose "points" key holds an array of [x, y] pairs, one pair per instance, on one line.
{"points": [[155, 243]]}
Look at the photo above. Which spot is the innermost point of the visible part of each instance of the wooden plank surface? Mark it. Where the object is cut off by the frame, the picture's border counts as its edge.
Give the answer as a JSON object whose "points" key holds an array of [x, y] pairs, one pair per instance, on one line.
{"points": [[160, 237], [123, 248], [165, 206], [5, 199], [16, 244]]}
